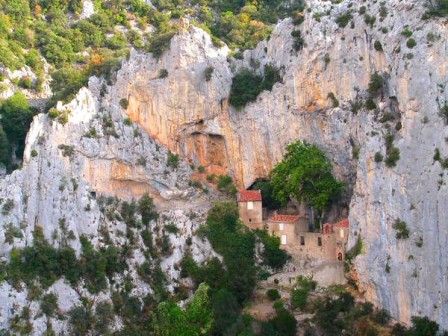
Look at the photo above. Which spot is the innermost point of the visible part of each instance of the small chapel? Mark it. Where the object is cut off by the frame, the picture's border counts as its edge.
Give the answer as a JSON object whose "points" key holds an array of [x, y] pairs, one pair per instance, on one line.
{"points": [[328, 244]]}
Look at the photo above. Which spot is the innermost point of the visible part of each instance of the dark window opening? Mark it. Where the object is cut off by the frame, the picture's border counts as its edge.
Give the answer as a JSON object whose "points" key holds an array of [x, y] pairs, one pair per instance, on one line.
{"points": [[93, 194], [250, 219], [319, 241], [302, 240]]}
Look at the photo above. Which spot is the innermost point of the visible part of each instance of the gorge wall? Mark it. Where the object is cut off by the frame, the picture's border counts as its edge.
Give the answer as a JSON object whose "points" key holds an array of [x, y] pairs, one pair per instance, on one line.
{"points": [[192, 116]]}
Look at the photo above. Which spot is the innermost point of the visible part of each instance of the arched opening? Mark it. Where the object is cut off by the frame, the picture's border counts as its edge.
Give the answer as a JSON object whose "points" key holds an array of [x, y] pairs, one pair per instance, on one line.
{"points": [[339, 256]]}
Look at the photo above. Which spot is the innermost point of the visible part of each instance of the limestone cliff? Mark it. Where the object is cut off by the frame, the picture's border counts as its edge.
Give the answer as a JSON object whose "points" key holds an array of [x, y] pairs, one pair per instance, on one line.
{"points": [[192, 116], [98, 152]]}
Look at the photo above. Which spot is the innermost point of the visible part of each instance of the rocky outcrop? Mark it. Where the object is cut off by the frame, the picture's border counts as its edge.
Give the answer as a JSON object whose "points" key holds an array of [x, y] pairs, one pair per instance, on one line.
{"points": [[192, 116], [73, 175]]}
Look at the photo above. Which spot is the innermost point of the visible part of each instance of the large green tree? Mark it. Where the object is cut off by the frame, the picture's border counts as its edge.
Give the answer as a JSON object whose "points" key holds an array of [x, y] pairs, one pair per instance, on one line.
{"points": [[16, 116], [305, 174]]}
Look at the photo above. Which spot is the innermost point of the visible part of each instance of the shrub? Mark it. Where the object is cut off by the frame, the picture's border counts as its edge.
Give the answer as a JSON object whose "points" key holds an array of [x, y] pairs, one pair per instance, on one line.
{"points": [[437, 156], [160, 42], [370, 20], [299, 41], [401, 228], [163, 73], [201, 169], [411, 43], [49, 304], [344, 19], [172, 160], [392, 157], [247, 85], [171, 228], [225, 183], [273, 294], [377, 45], [406, 32], [147, 209], [443, 113], [378, 157], [7, 207], [25, 82], [382, 317], [124, 103], [333, 98], [208, 73], [273, 256], [376, 83], [245, 88]]}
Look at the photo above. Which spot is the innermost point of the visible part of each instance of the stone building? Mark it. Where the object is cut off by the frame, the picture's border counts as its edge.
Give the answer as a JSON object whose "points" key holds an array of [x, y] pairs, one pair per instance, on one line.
{"points": [[250, 208], [287, 227], [293, 230]]}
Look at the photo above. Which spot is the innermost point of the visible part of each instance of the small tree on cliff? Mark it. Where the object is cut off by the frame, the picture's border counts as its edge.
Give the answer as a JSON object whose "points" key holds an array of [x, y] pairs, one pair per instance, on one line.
{"points": [[305, 174]]}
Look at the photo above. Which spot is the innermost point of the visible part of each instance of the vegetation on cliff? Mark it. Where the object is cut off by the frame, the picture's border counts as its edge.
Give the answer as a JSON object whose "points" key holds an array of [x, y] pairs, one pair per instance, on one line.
{"points": [[305, 174]]}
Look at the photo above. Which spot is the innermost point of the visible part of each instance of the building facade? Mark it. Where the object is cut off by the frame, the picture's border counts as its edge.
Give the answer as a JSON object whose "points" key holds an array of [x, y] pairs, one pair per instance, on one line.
{"points": [[250, 208], [329, 244]]}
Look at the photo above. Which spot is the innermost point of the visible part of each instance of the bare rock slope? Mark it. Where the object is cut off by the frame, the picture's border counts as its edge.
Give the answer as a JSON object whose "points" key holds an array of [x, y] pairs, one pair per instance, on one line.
{"points": [[100, 151]]}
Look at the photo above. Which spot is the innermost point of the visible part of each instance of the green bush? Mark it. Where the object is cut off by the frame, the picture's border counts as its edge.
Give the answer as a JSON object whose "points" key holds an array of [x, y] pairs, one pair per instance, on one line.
{"points": [[377, 45], [172, 160], [16, 116], [378, 157], [344, 19], [334, 99], [273, 294], [247, 85], [160, 42], [299, 41], [272, 255], [245, 88], [225, 183], [124, 103], [163, 73], [406, 32], [208, 73], [401, 228], [26, 82], [437, 8], [411, 43], [376, 83], [49, 304], [370, 104]]}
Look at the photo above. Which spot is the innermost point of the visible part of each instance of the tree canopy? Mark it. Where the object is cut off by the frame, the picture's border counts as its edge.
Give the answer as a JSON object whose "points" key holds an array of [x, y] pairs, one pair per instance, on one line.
{"points": [[305, 174]]}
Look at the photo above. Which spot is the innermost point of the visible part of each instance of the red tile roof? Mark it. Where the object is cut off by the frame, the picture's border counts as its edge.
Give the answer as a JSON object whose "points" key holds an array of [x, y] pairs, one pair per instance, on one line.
{"points": [[343, 223], [284, 218], [249, 195]]}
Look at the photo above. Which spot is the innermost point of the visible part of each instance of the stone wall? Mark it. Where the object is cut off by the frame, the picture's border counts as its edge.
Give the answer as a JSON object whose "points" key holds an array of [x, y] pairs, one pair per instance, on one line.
{"points": [[252, 218]]}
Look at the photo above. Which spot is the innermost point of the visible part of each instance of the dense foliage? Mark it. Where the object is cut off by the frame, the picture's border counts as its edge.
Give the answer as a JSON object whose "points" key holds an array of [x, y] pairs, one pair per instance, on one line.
{"points": [[305, 173], [233, 280], [247, 85], [15, 118]]}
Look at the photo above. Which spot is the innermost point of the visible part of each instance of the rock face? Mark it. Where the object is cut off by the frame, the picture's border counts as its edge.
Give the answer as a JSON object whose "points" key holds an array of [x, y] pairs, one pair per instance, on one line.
{"points": [[69, 170], [102, 154], [192, 116]]}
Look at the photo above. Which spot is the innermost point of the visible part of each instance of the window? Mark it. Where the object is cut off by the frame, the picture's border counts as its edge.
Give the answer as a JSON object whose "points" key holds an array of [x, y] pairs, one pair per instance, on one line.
{"points": [[250, 219], [283, 239], [280, 226], [250, 205], [302, 240], [319, 241]]}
